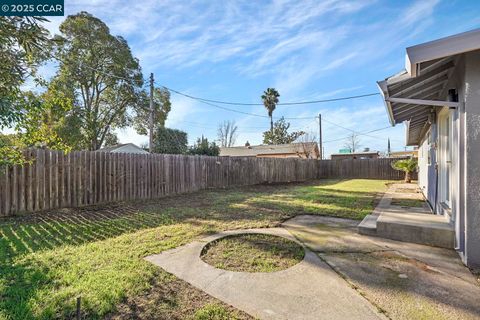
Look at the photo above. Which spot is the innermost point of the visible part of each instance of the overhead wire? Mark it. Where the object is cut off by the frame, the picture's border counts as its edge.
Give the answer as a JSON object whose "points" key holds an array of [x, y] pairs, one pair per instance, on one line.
{"points": [[214, 103], [230, 109], [365, 133], [278, 104]]}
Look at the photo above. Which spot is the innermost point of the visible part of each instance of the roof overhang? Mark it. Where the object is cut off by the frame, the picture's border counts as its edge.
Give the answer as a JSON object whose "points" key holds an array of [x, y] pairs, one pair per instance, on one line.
{"points": [[413, 95]]}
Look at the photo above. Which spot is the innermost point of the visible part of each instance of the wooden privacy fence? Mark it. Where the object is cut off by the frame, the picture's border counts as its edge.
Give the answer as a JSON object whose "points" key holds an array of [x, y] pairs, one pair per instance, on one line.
{"points": [[58, 180]]}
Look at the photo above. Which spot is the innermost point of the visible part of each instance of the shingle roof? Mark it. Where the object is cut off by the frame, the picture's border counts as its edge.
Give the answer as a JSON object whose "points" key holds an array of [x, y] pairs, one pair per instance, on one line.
{"points": [[252, 151], [368, 153], [119, 146]]}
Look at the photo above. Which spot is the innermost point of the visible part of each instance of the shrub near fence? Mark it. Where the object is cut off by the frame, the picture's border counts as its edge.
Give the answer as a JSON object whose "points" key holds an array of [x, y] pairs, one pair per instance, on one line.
{"points": [[56, 180]]}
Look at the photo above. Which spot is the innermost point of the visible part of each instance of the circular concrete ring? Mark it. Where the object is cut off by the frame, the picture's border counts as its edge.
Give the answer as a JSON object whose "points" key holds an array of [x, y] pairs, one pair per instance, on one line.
{"points": [[281, 259]]}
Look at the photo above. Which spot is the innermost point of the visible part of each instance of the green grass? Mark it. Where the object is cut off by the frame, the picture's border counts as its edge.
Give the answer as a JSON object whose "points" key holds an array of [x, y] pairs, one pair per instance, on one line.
{"points": [[253, 253], [214, 312], [48, 259]]}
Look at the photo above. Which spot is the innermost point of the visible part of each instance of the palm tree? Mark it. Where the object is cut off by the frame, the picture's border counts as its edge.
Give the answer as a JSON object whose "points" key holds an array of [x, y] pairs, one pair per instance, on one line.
{"points": [[406, 165], [270, 100]]}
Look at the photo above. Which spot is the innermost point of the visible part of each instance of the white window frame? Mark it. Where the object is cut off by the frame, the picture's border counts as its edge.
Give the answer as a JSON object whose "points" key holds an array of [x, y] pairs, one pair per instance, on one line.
{"points": [[445, 139]]}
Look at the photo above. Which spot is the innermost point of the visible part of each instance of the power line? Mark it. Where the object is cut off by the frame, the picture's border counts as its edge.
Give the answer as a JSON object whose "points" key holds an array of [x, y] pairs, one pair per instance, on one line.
{"points": [[356, 132], [230, 109], [278, 104], [365, 133], [211, 102], [203, 124], [261, 129], [340, 126], [238, 103], [330, 100]]}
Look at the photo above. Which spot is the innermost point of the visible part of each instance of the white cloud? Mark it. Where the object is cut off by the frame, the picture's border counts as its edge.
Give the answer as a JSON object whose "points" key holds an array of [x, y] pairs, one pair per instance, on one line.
{"points": [[420, 10], [183, 108], [290, 44], [129, 135], [339, 62]]}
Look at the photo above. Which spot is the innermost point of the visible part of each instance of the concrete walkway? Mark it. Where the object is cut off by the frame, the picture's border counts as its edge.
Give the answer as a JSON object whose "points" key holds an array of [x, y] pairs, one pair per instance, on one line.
{"points": [[405, 280], [308, 290], [407, 224]]}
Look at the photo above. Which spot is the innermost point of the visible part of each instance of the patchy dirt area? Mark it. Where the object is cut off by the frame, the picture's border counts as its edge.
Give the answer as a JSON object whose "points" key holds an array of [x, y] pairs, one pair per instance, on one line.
{"points": [[407, 190], [403, 280], [419, 203], [172, 298]]}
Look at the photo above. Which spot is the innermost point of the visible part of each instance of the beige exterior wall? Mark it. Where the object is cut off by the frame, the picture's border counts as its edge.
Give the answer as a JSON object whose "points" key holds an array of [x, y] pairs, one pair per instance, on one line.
{"points": [[470, 174]]}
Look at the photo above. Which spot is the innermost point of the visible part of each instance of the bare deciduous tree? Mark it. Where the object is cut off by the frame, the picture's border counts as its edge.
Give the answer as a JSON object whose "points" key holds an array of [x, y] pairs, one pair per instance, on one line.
{"points": [[305, 145], [352, 142], [227, 133]]}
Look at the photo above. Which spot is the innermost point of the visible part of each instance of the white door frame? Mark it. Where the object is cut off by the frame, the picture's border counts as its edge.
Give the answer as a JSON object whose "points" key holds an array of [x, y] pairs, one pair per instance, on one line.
{"points": [[445, 158]]}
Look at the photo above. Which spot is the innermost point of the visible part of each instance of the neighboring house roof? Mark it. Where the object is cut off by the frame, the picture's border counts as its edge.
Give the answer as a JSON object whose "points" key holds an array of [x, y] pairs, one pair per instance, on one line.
{"points": [[412, 94], [254, 151], [398, 154], [124, 148], [356, 154]]}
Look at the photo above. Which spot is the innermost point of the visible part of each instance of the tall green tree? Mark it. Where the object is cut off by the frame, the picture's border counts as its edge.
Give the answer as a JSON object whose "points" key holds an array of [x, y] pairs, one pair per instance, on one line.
{"points": [[24, 45], [101, 75], [11, 150], [161, 108], [203, 147], [280, 135], [111, 140], [44, 121], [270, 100], [170, 141]]}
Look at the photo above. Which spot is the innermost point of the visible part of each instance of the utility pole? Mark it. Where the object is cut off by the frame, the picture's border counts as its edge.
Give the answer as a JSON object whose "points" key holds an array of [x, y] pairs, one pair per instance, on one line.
{"points": [[150, 125], [320, 146]]}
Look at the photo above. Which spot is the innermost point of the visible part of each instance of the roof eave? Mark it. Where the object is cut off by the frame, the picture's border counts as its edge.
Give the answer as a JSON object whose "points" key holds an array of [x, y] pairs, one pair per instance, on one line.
{"points": [[410, 66], [382, 85], [408, 141]]}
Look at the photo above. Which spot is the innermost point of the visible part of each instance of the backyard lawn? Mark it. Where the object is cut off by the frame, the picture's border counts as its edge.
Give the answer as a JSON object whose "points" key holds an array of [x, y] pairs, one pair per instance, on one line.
{"points": [[49, 259]]}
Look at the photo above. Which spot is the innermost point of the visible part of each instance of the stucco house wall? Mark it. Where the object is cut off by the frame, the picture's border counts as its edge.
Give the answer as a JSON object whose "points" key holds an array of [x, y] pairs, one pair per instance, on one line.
{"points": [[464, 209], [446, 129], [472, 158]]}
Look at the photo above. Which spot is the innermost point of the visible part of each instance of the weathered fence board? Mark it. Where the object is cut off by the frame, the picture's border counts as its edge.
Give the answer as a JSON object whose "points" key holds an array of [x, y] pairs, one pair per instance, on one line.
{"points": [[56, 180]]}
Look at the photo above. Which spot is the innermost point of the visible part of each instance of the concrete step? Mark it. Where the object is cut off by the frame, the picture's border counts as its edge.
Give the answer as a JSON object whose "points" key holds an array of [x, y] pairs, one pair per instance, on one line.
{"points": [[420, 228], [368, 226]]}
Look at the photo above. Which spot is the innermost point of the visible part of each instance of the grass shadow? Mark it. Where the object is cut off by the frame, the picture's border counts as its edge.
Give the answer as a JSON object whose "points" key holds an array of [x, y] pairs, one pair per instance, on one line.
{"points": [[49, 257]]}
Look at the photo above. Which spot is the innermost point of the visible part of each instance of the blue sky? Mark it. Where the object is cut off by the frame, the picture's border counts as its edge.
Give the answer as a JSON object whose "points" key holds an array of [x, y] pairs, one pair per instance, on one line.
{"points": [[233, 50]]}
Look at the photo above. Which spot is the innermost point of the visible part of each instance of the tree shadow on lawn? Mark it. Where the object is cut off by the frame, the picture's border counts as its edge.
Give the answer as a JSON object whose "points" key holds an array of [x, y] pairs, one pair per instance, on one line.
{"points": [[29, 245], [25, 241]]}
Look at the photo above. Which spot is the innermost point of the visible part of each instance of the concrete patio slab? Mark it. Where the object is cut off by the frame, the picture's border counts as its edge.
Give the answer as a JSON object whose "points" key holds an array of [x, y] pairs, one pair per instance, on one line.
{"points": [[405, 280], [308, 290]]}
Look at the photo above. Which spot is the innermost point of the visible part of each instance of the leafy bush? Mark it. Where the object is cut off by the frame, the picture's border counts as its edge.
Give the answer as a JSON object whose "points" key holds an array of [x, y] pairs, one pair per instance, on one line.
{"points": [[406, 165]]}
